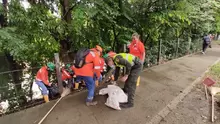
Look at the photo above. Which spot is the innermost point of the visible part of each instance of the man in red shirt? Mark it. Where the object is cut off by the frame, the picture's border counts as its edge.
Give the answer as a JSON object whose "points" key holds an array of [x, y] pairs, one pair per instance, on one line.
{"points": [[66, 78], [42, 79], [137, 49], [86, 73]]}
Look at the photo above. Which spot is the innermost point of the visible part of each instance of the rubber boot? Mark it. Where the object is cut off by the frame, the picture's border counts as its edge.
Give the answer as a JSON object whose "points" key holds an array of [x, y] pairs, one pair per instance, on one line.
{"points": [[46, 98], [138, 81], [76, 86]]}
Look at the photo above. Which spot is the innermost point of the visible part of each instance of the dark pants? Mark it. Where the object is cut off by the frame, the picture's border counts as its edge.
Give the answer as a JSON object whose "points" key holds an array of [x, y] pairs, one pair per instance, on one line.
{"points": [[117, 73], [204, 47], [130, 83]]}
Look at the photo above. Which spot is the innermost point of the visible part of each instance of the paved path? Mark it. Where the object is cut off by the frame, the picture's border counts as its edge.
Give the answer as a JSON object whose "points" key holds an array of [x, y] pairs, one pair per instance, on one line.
{"points": [[194, 109], [159, 86]]}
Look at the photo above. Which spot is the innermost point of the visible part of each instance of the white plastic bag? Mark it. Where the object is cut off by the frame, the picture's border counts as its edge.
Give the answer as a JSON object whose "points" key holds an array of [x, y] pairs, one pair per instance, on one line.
{"points": [[4, 107], [103, 91], [118, 92], [116, 96], [36, 91], [113, 103]]}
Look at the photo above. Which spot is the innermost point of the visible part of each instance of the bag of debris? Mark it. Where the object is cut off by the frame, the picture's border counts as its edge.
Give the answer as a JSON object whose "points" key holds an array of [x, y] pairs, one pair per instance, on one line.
{"points": [[112, 103], [115, 96], [4, 107], [103, 91], [53, 91], [36, 92], [118, 93]]}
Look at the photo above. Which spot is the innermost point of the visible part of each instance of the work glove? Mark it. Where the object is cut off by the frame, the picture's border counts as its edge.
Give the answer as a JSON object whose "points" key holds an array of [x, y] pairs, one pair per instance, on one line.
{"points": [[50, 84], [124, 78]]}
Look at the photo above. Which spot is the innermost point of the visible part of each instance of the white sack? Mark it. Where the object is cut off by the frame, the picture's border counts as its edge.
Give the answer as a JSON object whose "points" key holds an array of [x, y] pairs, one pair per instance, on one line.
{"points": [[36, 91], [4, 106], [115, 96]]}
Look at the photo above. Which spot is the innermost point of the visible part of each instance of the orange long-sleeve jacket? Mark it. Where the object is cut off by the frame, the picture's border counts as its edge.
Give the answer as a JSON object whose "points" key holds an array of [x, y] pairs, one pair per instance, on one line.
{"points": [[137, 49], [42, 75], [92, 66], [102, 63], [65, 75]]}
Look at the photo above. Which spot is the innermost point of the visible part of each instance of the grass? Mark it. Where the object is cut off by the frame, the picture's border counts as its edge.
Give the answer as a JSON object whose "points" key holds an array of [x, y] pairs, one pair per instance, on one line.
{"points": [[214, 73], [217, 41]]}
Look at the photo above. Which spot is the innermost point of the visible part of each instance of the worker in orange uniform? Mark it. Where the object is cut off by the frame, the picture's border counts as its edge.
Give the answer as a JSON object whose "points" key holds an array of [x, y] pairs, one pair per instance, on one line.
{"points": [[137, 49], [102, 63], [42, 80], [98, 51], [86, 72], [66, 76]]}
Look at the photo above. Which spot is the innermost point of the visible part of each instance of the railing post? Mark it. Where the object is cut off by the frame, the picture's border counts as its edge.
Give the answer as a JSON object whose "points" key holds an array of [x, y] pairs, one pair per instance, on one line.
{"points": [[189, 44], [177, 47], [58, 72], [159, 51]]}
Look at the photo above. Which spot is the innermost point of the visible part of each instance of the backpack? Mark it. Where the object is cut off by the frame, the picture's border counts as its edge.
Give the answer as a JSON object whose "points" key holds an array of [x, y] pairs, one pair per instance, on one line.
{"points": [[207, 39], [79, 59]]}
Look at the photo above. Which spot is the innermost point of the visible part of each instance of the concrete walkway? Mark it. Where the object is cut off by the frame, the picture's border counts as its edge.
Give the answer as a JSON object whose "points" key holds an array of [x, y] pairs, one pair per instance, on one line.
{"points": [[159, 86]]}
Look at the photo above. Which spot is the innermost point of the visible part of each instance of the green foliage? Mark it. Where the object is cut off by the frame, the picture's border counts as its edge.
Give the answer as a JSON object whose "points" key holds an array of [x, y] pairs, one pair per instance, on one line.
{"points": [[214, 73], [27, 37], [37, 33], [215, 70]]}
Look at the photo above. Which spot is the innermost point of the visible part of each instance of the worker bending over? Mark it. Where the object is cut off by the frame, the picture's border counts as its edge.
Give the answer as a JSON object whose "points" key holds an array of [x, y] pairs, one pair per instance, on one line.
{"points": [[42, 79], [87, 63], [133, 67]]}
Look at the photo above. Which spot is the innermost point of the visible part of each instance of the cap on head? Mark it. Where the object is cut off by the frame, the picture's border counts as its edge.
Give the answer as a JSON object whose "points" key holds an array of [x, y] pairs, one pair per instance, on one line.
{"points": [[51, 66], [111, 54], [98, 48], [68, 65]]}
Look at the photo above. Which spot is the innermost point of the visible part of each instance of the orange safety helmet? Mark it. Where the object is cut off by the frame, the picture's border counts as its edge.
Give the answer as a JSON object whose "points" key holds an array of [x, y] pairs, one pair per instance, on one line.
{"points": [[98, 48], [111, 54]]}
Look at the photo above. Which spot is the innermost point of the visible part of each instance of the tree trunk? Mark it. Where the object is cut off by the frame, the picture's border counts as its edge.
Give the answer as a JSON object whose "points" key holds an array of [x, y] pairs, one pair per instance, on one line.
{"points": [[115, 43], [66, 12], [32, 1], [65, 43], [3, 17]]}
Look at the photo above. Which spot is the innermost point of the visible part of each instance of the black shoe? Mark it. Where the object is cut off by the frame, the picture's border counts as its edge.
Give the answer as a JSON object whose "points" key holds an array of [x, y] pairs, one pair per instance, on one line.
{"points": [[126, 105]]}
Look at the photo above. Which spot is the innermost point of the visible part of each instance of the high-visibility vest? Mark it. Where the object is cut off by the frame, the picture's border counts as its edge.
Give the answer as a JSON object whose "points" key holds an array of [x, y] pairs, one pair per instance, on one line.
{"points": [[129, 57]]}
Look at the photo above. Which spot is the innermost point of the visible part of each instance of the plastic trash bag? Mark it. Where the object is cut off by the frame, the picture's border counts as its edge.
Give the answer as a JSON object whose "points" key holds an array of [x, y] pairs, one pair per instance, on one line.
{"points": [[103, 91], [115, 96], [36, 91], [113, 103], [4, 107]]}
